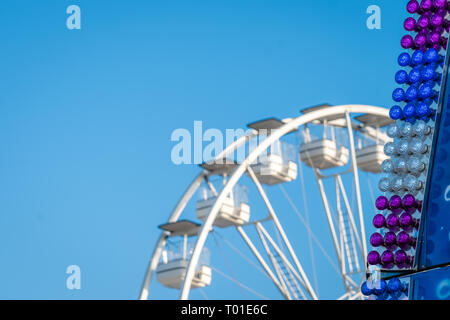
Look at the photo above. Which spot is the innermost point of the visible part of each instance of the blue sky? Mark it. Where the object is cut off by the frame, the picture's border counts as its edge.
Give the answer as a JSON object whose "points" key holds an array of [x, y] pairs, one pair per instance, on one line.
{"points": [[86, 118]]}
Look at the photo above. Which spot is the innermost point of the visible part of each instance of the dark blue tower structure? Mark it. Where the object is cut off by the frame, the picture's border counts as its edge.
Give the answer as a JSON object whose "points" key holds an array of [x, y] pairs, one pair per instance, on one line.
{"points": [[431, 277]]}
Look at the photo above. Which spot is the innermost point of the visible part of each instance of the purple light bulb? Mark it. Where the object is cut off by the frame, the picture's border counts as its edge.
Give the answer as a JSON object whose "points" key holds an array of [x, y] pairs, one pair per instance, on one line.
{"points": [[376, 239], [426, 5], [423, 22], [387, 259], [381, 203], [440, 4], [413, 6], [395, 202], [392, 222], [437, 20], [408, 201], [435, 38], [373, 258], [409, 24], [379, 221], [404, 240], [390, 240], [401, 259], [420, 40], [406, 221], [407, 41]]}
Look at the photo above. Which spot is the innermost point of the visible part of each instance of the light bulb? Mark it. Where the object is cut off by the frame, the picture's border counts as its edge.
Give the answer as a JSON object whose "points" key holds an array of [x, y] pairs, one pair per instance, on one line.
{"points": [[415, 166], [384, 185], [387, 166], [396, 184], [389, 149], [402, 147], [416, 146], [393, 131], [400, 165]]}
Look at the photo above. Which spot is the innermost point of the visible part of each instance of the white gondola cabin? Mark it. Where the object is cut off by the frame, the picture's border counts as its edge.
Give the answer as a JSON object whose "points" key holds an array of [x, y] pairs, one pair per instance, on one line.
{"points": [[369, 158], [175, 256], [234, 211], [370, 150], [323, 154], [278, 165]]}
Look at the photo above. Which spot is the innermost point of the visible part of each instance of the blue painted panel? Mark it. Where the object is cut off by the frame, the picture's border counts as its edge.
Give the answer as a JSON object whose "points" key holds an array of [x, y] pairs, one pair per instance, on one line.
{"points": [[432, 285], [434, 238]]}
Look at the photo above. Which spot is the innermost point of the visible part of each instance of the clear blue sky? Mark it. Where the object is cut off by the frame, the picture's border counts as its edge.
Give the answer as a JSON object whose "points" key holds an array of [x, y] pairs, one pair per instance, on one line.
{"points": [[86, 118]]}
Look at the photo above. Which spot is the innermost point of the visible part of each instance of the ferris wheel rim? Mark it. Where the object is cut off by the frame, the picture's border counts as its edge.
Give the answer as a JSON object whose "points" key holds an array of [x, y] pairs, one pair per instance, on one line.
{"points": [[238, 172]]}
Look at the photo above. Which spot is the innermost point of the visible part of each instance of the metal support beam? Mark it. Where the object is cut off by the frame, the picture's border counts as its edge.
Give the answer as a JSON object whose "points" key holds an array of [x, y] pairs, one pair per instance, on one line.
{"points": [[261, 260], [329, 218], [357, 187], [263, 231], [350, 214], [274, 264], [282, 233]]}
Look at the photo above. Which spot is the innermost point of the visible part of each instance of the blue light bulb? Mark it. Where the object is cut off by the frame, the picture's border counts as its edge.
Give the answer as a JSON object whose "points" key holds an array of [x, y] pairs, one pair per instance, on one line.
{"points": [[409, 111], [380, 287], [394, 285], [404, 59], [417, 58], [401, 77], [396, 113], [366, 288], [415, 75], [382, 296], [398, 95], [422, 109], [425, 91], [411, 94], [431, 55], [428, 73]]}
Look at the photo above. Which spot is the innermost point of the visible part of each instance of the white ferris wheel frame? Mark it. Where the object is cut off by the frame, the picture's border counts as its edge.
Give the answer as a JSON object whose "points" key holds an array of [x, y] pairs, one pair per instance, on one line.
{"points": [[239, 171]]}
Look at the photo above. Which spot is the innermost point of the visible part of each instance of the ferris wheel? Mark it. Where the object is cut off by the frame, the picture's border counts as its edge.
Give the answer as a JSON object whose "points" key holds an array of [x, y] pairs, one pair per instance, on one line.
{"points": [[336, 146]]}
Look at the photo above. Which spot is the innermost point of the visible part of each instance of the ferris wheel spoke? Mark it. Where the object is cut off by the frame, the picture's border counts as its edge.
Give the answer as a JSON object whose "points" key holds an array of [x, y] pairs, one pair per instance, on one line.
{"points": [[307, 224], [349, 213], [261, 260], [356, 179], [281, 230], [329, 216], [311, 233], [263, 234]]}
